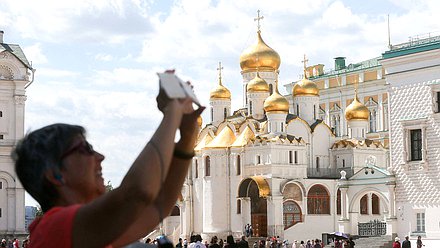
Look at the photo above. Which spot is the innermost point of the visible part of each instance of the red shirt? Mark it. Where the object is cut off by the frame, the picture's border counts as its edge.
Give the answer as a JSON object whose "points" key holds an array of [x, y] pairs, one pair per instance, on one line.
{"points": [[54, 229]]}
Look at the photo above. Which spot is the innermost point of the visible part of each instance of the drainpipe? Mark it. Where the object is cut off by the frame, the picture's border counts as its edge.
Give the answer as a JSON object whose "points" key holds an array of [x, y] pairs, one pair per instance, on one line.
{"points": [[32, 80]]}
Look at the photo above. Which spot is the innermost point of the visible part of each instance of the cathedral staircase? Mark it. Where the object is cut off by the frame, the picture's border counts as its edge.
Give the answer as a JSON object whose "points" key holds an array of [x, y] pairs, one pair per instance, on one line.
{"points": [[374, 242]]}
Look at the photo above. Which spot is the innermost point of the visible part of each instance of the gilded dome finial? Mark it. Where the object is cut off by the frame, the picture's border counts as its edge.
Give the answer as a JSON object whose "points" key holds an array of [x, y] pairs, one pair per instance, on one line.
{"points": [[258, 18], [219, 69], [276, 103], [305, 66]]}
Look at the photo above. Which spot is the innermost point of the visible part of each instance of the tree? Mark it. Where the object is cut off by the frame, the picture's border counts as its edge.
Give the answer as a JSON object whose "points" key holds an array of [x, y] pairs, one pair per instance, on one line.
{"points": [[108, 186]]}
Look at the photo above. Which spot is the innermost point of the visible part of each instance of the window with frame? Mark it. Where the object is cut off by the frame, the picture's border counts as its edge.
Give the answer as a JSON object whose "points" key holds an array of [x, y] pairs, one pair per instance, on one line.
{"points": [[291, 214], [238, 165], [364, 204], [338, 202], [295, 157], [212, 114], [416, 144], [372, 120], [318, 200], [207, 166], [196, 169], [420, 222], [297, 109], [1, 185], [1, 113], [290, 157], [258, 159], [238, 206], [317, 163], [270, 89], [437, 101], [225, 113], [375, 202], [250, 107]]}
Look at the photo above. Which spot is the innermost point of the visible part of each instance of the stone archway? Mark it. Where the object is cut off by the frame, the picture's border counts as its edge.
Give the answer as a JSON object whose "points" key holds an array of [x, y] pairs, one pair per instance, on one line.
{"points": [[256, 189]]}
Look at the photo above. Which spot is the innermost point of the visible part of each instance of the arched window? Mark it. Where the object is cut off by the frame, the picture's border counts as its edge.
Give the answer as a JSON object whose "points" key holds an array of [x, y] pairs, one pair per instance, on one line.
{"points": [[364, 204], [296, 157], [314, 112], [196, 169], [175, 212], [297, 109], [270, 89], [375, 204], [207, 166], [238, 206], [291, 214], [225, 113], [338, 202], [318, 200], [290, 157], [317, 163], [238, 165]]}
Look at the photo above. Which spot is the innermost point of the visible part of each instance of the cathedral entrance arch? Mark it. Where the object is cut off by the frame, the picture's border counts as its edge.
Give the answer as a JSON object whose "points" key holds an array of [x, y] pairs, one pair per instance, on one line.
{"points": [[257, 190]]}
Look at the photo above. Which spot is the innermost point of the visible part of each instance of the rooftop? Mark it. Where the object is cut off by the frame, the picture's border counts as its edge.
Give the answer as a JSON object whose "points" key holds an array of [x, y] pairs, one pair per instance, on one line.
{"points": [[419, 43]]}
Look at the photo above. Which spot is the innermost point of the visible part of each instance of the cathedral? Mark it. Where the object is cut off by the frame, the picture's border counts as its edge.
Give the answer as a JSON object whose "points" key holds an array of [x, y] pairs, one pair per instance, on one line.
{"points": [[354, 149], [278, 165]]}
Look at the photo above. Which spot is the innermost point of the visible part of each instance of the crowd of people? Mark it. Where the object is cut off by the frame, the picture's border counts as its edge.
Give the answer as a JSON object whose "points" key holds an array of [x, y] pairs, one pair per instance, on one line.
{"points": [[407, 243], [270, 242], [14, 243]]}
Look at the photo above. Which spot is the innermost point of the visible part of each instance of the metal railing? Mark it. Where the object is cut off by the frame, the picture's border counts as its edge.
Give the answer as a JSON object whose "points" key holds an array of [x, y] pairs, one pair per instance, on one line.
{"points": [[372, 228]]}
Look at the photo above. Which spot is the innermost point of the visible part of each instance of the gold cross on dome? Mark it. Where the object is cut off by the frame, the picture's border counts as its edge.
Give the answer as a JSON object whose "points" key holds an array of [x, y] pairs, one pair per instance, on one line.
{"points": [[305, 62], [258, 18], [219, 69]]}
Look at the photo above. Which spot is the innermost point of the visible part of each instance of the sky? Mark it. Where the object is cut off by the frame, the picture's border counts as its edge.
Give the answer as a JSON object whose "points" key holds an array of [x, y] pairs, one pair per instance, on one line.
{"points": [[96, 61]]}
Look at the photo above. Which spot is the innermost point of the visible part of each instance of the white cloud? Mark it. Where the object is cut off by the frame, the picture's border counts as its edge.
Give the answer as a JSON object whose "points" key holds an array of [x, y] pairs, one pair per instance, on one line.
{"points": [[103, 57], [35, 52]]}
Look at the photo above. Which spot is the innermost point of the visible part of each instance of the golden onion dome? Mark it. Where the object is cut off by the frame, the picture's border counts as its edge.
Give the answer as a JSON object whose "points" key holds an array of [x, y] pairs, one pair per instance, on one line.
{"points": [[257, 85], [276, 102], [259, 55], [221, 92], [305, 87], [356, 110]]}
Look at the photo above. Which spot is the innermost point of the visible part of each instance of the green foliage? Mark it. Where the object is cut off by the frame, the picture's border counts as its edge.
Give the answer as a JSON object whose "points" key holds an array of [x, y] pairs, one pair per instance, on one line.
{"points": [[108, 186]]}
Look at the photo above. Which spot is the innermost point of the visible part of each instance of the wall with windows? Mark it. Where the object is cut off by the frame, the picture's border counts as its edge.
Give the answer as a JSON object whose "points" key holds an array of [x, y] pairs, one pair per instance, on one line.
{"points": [[414, 77]]}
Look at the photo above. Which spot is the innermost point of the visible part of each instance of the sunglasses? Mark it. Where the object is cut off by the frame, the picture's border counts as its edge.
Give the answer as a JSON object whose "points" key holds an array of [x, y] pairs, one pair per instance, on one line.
{"points": [[83, 147]]}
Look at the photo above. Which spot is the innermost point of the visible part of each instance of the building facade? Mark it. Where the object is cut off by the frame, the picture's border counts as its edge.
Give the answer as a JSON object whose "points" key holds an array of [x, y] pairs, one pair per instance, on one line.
{"points": [[16, 74], [412, 71]]}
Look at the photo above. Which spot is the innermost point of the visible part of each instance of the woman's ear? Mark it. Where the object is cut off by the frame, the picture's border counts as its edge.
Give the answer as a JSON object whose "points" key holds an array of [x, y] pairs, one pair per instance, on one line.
{"points": [[54, 177]]}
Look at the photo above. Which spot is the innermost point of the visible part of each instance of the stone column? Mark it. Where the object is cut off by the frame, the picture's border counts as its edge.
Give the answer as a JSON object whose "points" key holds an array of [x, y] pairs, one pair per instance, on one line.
{"points": [[344, 203], [370, 203], [275, 226], [245, 211], [380, 109], [392, 207]]}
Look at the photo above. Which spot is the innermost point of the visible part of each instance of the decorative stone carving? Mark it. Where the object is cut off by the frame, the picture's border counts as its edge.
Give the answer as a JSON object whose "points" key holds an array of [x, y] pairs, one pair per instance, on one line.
{"points": [[5, 55], [19, 100], [6, 73]]}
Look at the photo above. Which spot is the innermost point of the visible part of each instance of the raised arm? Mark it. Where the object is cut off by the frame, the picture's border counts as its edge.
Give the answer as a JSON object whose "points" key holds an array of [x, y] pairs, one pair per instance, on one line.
{"points": [[172, 186], [105, 219]]}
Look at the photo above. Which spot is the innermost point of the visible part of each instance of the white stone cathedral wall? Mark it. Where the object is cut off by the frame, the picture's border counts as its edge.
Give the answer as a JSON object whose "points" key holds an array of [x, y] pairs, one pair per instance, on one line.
{"points": [[416, 189]]}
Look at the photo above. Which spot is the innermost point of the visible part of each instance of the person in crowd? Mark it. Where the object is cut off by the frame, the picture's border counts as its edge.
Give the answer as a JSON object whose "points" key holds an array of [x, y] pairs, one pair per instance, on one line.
{"points": [[25, 243], [148, 241], [243, 243], [221, 243], [396, 243], [406, 243], [419, 242], [214, 242], [179, 243], [351, 242], [62, 171], [302, 245], [3, 244], [196, 242], [230, 243], [185, 243]]}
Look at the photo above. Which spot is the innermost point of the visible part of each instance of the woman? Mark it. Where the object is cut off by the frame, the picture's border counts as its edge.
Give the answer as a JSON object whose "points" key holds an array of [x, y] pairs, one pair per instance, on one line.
{"points": [[419, 242], [396, 243], [60, 169], [230, 243]]}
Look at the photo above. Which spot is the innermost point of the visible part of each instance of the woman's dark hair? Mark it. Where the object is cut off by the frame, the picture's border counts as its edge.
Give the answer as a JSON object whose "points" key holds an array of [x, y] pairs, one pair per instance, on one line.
{"points": [[230, 239], [39, 151]]}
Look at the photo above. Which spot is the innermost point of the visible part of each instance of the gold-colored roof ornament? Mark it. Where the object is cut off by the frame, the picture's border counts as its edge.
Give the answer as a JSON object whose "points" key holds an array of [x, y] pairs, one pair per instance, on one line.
{"points": [[356, 110], [221, 92], [257, 84], [276, 103], [224, 139], [268, 59], [244, 138], [305, 87], [200, 121], [203, 142]]}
